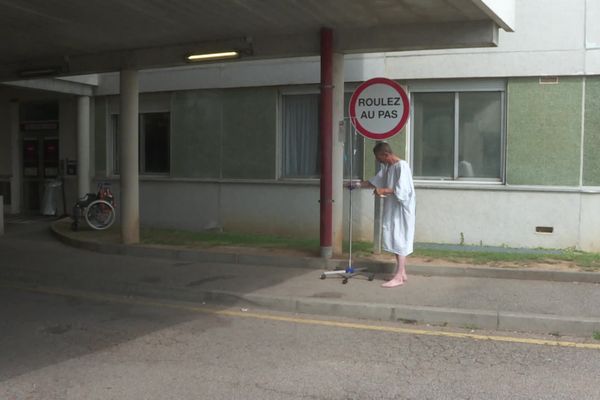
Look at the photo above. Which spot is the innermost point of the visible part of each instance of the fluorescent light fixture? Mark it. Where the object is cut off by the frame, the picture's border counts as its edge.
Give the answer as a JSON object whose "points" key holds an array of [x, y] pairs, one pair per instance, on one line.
{"points": [[32, 73], [213, 56]]}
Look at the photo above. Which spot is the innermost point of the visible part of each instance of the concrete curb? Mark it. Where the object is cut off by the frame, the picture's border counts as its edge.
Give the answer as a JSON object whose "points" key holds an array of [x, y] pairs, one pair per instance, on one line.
{"points": [[439, 316], [503, 273], [325, 264]]}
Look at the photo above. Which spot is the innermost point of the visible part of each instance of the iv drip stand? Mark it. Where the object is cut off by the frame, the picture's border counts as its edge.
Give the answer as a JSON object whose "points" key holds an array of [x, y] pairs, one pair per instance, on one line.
{"points": [[350, 271]]}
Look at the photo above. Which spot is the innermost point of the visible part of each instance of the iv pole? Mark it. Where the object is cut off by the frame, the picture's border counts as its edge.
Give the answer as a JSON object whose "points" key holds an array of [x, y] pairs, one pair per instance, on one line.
{"points": [[350, 271]]}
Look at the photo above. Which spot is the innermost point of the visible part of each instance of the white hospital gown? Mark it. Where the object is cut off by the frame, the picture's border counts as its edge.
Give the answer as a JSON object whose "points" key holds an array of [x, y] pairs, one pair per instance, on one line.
{"points": [[398, 209]]}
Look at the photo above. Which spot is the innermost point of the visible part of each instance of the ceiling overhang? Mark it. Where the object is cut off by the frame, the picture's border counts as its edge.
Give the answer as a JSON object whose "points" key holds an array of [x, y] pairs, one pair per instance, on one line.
{"points": [[258, 29]]}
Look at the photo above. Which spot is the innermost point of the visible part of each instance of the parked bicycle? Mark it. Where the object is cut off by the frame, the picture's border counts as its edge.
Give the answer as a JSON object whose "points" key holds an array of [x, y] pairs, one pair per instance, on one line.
{"points": [[98, 209]]}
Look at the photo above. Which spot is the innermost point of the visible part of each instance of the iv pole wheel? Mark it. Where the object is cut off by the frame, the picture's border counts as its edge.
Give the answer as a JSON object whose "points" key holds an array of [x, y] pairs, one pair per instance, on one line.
{"points": [[345, 281], [371, 277], [323, 276]]}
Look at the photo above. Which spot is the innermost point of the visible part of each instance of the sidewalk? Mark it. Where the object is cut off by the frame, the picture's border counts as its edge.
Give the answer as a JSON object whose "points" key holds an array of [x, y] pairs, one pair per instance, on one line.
{"points": [[556, 302]]}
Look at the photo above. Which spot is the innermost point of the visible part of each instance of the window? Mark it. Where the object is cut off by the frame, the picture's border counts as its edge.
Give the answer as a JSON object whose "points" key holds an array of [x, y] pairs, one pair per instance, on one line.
{"points": [[300, 128], [458, 135], [300, 138], [358, 144], [154, 143], [154, 140]]}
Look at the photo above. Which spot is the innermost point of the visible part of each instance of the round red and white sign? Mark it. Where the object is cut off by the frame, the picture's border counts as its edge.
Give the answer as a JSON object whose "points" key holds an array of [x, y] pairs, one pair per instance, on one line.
{"points": [[379, 108]]}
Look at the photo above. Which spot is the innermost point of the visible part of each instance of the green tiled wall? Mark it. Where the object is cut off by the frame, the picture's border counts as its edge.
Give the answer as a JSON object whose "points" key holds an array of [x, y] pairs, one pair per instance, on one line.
{"points": [[249, 133], [544, 132], [224, 133], [231, 133], [591, 153], [196, 134]]}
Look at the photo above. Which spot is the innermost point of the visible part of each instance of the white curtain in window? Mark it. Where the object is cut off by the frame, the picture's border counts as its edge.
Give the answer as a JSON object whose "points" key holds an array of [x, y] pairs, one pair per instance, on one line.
{"points": [[301, 136]]}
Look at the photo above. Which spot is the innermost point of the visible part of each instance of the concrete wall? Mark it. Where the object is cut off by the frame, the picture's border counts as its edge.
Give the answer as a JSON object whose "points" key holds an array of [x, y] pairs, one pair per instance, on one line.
{"points": [[509, 217], [243, 207], [483, 216], [589, 219], [552, 37]]}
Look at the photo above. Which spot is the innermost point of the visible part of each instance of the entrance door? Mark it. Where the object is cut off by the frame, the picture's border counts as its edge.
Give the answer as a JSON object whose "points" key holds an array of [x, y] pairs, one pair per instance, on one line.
{"points": [[40, 163]]}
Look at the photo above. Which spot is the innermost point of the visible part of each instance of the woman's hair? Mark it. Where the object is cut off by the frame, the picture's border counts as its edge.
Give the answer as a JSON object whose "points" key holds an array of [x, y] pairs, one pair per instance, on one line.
{"points": [[382, 147]]}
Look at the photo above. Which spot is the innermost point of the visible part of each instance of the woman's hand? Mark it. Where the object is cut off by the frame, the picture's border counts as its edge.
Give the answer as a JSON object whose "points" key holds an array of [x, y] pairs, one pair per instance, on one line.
{"points": [[382, 192], [354, 185]]}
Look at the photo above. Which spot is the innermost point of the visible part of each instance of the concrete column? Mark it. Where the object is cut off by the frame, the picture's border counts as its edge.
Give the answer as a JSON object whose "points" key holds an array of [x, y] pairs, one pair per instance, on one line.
{"points": [[83, 145], [337, 156], [1, 215], [15, 151], [128, 144]]}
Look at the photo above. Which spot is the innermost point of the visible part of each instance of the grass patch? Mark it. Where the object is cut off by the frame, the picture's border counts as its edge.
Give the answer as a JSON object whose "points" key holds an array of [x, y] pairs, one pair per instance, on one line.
{"points": [[174, 237], [207, 239], [480, 257], [587, 261], [596, 335]]}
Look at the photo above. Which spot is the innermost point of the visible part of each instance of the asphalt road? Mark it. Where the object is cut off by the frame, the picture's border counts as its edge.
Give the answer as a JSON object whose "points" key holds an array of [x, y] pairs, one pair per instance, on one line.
{"points": [[65, 346]]}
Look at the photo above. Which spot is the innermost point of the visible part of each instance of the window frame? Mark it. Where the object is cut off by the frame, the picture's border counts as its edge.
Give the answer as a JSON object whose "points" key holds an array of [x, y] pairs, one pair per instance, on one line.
{"points": [[457, 87], [115, 150]]}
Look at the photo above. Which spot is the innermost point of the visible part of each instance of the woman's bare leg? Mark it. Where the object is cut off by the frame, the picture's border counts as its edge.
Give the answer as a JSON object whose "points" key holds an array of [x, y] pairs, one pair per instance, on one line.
{"points": [[400, 275], [402, 266]]}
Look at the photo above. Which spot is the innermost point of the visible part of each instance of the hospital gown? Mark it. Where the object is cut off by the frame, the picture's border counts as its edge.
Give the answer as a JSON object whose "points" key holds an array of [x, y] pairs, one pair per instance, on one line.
{"points": [[398, 209]]}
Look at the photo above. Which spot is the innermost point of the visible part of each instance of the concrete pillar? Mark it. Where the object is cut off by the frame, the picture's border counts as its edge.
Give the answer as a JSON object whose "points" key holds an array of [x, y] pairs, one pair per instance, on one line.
{"points": [[1, 215], [128, 144], [15, 151], [337, 156], [332, 146], [83, 145]]}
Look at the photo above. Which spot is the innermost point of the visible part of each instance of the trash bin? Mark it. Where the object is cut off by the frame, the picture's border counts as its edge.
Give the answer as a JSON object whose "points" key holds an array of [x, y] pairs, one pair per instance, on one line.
{"points": [[50, 199]]}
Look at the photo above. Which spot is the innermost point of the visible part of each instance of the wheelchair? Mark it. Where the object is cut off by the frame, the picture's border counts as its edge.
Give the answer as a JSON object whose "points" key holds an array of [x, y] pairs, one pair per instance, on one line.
{"points": [[97, 209]]}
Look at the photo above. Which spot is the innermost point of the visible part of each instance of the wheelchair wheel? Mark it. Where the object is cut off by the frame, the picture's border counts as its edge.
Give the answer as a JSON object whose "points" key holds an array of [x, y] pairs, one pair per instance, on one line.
{"points": [[100, 214]]}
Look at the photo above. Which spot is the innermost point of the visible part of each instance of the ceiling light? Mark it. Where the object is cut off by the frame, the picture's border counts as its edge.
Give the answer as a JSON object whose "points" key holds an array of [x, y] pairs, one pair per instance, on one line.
{"points": [[213, 56], [32, 73]]}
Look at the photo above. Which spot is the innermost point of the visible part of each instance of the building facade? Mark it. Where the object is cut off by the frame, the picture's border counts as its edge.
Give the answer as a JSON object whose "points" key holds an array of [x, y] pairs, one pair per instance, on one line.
{"points": [[502, 141]]}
